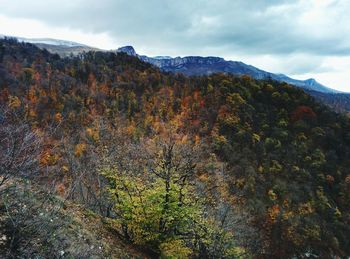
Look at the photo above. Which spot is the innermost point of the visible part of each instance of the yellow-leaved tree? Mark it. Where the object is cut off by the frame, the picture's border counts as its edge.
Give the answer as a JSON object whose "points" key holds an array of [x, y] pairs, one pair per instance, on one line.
{"points": [[159, 206]]}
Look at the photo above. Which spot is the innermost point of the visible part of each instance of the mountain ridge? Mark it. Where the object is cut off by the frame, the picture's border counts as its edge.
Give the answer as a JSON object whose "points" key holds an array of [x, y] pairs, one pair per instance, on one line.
{"points": [[48, 41], [339, 101], [188, 65], [198, 65]]}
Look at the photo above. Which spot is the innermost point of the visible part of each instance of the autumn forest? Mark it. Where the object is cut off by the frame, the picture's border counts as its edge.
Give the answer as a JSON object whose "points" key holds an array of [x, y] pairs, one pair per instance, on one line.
{"points": [[217, 166]]}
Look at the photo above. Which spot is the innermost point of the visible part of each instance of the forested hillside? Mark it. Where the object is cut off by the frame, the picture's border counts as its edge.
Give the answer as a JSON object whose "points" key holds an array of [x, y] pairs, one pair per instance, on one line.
{"points": [[215, 166]]}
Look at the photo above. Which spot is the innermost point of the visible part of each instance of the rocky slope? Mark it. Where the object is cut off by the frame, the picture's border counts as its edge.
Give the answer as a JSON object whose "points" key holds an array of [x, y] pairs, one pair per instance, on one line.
{"points": [[36, 224]]}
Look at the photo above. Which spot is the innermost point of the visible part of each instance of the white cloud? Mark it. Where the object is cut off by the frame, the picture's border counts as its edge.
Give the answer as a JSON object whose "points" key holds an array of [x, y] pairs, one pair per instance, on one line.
{"points": [[337, 77], [30, 28]]}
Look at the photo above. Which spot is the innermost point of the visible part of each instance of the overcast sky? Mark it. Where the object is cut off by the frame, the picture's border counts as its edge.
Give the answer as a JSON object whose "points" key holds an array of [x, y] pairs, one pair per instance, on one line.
{"points": [[300, 38]]}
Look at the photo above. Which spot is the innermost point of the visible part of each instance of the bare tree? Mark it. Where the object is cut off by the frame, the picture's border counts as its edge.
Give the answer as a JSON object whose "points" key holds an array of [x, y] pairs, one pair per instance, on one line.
{"points": [[19, 147]]}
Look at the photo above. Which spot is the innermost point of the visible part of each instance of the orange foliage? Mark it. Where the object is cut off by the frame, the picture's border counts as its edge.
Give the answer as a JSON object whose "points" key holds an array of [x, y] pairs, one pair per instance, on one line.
{"points": [[103, 88], [185, 104], [58, 117], [79, 149], [4, 95], [197, 139], [329, 178], [14, 102], [305, 209], [32, 95], [347, 179], [197, 95], [130, 130], [37, 76], [302, 113], [92, 82], [48, 159], [32, 113], [223, 111], [273, 212], [65, 169], [93, 133], [60, 189]]}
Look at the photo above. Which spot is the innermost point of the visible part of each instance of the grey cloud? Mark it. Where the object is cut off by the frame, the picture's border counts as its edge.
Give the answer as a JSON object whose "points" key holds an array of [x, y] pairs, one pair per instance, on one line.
{"points": [[300, 64], [241, 26]]}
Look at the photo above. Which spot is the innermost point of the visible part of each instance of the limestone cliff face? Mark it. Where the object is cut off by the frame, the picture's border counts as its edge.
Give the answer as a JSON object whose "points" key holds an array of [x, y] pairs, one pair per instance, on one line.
{"points": [[128, 50]]}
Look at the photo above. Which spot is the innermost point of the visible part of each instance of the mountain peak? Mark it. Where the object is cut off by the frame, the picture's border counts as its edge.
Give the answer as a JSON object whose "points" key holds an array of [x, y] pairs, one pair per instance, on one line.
{"points": [[311, 81], [128, 50]]}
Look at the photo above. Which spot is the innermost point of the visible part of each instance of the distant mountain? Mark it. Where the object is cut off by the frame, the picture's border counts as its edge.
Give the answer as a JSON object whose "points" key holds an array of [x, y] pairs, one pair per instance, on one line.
{"points": [[195, 65], [48, 41], [161, 57], [54, 42], [309, 84], [65, 51], [61, 47]]}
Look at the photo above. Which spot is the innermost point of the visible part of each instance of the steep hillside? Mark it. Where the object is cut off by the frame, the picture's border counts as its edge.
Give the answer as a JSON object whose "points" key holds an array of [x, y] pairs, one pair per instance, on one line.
{"points": [[339, 102], [36, 224], [217, 166]]}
